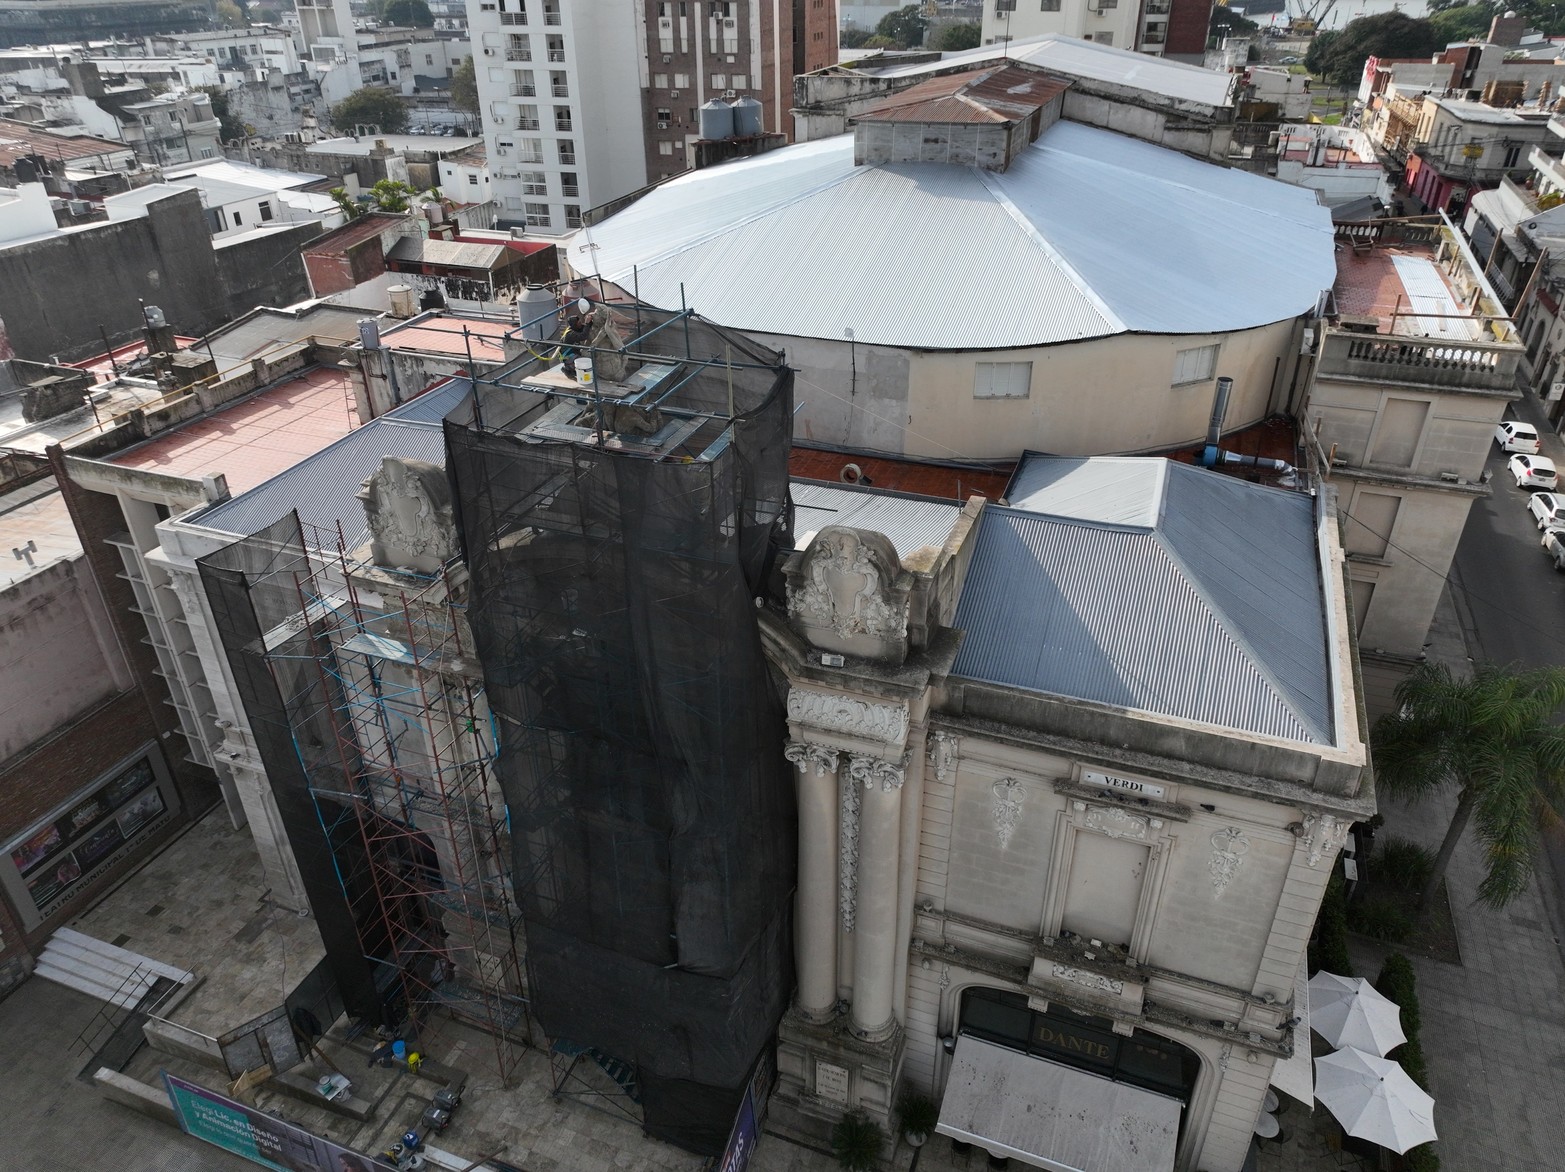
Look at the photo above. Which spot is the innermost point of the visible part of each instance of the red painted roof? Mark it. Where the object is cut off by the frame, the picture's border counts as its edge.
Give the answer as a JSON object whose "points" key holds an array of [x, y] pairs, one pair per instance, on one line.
{"points": [[1009, 93], [951, 481], [256, 438], [22, 138]]}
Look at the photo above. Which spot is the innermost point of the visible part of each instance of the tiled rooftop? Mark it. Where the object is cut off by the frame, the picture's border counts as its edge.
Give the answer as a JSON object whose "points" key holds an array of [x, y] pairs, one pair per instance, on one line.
{"points": [[442, 334], [1403, 290], [258, 437]]}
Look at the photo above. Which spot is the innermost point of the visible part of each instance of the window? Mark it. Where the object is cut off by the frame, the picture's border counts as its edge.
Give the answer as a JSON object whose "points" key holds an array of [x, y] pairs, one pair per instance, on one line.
{"points": [[472, 179], [665, 148], [1103, 38], [531, 150], [720, 81], [208, 153], [429, 59], [660, 81], [562, 118], [573, 215], [535, 183], [665, 115], [1002, 380], [559, 87], [1049, 6], [568, 185], [538, 215], [567, 152], [527, 117], [1004, 6], [681, 81], [518, 48], [740, 82], [1512, 156], [238, 219], [1195, 366], [265, 208]]}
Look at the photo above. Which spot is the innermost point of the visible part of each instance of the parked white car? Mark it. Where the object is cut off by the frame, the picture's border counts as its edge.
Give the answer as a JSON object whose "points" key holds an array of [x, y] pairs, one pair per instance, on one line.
{"points": [[1532, 472], [1547, 508], [1514, 436], [1554, 545]]}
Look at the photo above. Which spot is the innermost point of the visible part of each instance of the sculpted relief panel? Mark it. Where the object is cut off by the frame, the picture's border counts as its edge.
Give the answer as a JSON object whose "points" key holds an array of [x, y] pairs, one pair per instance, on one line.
{"points": [[847, 714]]}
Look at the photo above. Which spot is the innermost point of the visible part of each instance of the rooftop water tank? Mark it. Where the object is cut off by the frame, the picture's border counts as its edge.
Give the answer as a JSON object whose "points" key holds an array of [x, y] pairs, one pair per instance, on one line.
{"points": [[747, 118], [404, 302], [717, 120], [537, 302]]}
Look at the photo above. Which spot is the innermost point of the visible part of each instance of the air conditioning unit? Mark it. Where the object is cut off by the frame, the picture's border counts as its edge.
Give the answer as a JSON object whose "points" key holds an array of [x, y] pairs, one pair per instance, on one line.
{"points": [[729, 22], [662, 125], [666, 58], [673, 93], [488, 52], [502, 152]]}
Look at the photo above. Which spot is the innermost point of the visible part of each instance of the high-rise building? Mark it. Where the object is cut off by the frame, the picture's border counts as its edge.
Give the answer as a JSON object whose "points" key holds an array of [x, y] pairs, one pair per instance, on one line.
{"points": [[1164, 28], [585, 102], [725, 50], [559, 83]]}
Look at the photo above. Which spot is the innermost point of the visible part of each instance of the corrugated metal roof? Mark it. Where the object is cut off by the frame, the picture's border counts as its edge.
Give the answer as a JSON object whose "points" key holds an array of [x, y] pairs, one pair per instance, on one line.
{"points": [[454, 253], [266, 330], [323, 488], [1214, 614], [1111, 490], [1089, 60], [1089, 233], [1004, 94], [910, 522]]}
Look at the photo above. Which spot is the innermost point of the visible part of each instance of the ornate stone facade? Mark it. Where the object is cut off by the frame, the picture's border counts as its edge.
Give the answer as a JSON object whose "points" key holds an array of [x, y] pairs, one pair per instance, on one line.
{"points": [[848, 592], [846, 714], [407, 505]]}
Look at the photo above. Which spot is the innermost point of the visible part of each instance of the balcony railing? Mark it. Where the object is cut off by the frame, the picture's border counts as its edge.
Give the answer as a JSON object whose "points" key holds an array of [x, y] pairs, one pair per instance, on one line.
{"points": [[518, 54], [562, 125], [557, 55], [1390, 357], [523, 90], [1548, 166], [550, 16], [527, 124], [560, 89]]}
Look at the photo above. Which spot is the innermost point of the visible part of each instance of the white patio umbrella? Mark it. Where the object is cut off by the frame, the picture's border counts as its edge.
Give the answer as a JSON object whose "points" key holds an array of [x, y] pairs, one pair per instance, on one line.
{"points": [[1374, 1099], [1347, 1011]]}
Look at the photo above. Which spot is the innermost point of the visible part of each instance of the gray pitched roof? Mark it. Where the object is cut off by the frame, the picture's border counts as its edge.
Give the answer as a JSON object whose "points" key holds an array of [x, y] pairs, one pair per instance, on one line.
{"points": [[1157, 587]]}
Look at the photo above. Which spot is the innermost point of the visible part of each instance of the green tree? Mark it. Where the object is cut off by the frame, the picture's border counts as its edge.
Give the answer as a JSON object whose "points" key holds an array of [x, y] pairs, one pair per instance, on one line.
{"points": [[1320, 47], [955, 37], [854, 38], [1461, 22], [229, 14], [408, 13], [351, 207], [371, 106], [464, 88], [1494, 737], [1388, 34], [905, 26], [229, 127]]}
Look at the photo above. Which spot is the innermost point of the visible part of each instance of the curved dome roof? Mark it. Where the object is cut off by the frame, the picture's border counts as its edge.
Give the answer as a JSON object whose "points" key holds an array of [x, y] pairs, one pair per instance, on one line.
{"points": [[1089, 233]]}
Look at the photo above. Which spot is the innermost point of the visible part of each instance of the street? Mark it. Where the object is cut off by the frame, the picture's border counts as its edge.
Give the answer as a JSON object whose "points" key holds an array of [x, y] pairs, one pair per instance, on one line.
{"points": [[1510, 598]]}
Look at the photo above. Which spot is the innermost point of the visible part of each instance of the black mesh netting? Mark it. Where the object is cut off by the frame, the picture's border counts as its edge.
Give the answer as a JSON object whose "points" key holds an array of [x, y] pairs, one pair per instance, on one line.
{"points": [[613, 608], [258, 591]]}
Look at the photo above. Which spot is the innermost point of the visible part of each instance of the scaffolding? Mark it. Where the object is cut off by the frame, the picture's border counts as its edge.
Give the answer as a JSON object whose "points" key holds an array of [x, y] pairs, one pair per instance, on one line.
{"points": [[383, 708], [618, 535]]}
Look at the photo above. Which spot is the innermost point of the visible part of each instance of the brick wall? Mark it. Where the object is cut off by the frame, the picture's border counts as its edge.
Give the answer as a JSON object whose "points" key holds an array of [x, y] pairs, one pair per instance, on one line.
{"points": [[1188, 21]]}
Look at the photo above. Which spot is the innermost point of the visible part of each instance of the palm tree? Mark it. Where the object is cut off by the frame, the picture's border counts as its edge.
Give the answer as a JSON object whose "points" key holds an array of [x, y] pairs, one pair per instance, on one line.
{"points": [[1495, 737]]}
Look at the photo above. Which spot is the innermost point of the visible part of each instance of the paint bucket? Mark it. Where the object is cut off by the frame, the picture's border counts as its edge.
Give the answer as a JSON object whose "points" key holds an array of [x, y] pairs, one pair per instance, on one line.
{"points": [[584, 371]]}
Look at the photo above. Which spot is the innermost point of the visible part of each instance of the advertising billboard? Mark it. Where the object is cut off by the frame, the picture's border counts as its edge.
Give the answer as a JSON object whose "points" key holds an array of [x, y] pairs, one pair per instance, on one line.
{"points": [[257, 1136]]}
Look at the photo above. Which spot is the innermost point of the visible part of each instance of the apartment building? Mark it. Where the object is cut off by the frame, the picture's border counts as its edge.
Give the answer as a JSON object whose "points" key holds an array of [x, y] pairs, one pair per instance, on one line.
{"points": [[1163, 28], [548, 71], [700, 50]]}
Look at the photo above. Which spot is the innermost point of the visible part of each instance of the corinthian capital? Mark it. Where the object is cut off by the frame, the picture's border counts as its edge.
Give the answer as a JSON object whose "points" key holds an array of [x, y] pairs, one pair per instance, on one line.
{"points": [[805, 754], [868, 770]]}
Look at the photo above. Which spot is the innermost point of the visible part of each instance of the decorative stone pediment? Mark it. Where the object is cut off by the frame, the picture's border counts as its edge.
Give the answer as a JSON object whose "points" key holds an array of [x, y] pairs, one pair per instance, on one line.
{"points": [[407, 505], [832, 712], [848, 593]]}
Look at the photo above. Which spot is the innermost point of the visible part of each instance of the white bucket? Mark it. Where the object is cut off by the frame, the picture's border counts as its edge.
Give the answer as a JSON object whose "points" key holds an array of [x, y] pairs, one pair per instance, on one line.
{"points": [[584, 371]]}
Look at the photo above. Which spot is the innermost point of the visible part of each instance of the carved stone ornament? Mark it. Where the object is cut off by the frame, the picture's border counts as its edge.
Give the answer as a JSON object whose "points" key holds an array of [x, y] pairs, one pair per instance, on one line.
{"points": [[942, 754], [1323, 834], [1009, 794], [1116, 823], [848, 850], [407, 505], [1229, 846], [807, 755], [1087, 980], [868, 770], [848, 714], [848, 592]]}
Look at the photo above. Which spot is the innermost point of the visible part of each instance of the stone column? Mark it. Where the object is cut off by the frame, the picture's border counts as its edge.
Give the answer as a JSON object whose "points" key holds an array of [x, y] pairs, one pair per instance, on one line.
{"points": [[815, 900], [875, 947]]}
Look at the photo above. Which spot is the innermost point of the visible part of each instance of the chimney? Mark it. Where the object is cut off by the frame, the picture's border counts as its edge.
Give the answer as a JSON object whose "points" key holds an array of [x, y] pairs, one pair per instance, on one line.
{"points": [[1507, 30]]}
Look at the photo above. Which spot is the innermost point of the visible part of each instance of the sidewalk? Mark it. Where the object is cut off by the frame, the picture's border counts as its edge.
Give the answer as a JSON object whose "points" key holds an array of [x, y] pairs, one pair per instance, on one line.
{"points": [[1493, 1028]]}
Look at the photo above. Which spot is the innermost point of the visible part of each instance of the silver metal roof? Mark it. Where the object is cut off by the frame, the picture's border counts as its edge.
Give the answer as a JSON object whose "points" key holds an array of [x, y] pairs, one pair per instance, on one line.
{"points": [[1208, 606], [910, 522], [1073, 57], [455, 253], [1089, 233], [266, 330], [323, 487]]}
